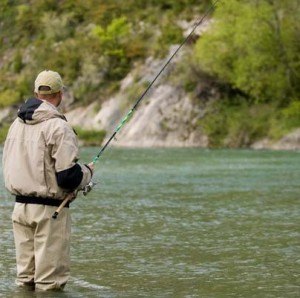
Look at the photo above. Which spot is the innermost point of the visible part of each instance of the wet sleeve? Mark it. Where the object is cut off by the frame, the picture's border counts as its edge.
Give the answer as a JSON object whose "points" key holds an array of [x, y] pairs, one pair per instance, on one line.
{"points": [[70, 175]]}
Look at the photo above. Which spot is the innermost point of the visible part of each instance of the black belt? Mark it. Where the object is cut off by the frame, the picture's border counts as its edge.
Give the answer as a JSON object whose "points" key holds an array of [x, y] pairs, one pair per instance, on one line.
{"points": [[40, 201]]}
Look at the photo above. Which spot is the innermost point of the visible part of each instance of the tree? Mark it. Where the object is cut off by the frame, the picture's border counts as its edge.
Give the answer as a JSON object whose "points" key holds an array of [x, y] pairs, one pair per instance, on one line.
{"points": [[254, 46]]}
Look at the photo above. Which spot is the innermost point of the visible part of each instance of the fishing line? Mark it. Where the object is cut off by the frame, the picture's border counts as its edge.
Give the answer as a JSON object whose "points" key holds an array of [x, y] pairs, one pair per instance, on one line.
{"points": [[130, 113]]}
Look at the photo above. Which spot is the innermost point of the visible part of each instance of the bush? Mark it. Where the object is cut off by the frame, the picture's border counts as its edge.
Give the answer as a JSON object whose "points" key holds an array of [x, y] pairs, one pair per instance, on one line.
{"points": [[291, 115], [8, 98], [286, 120], [74, 37], [90, 137], [3, 133], [234, 124], [57, 27], [252, 46], [112, 42], [170, 34]]}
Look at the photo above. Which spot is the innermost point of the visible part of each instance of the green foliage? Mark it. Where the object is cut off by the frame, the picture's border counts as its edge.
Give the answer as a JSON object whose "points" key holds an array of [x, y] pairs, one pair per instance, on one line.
{"points": [[186, 73], [17, 64], [171, 34], [114, 35], [254, 45], [133, 92], [25, 20], [237, 124], [90, 137], [3, 133], [93, 44], [62, 26], [112, 41], [285, 120], [8, 98], [291, 115]]}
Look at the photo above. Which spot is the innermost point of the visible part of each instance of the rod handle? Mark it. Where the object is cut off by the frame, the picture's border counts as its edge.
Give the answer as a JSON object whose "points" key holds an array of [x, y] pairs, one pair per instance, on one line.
{"points": [[68, 198]]}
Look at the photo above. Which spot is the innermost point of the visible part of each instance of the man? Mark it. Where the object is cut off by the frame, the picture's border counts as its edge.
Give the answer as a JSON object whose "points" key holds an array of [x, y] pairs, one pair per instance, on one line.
{"points": [[40, 168]]}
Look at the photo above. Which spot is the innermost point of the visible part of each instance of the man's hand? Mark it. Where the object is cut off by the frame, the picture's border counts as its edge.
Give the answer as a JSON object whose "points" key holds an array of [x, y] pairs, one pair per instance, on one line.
{"points": [[72, 196], [91, 166]]}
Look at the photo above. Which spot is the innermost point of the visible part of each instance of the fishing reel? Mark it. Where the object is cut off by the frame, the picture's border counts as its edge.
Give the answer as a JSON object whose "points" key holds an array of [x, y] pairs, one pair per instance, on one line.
{"points": [[88, 188]]}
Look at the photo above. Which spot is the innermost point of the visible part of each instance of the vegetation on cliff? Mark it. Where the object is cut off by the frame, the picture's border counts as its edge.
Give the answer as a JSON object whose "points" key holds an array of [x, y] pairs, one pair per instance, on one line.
{"points": [[253, 47], [93, 44], [250, 54]]}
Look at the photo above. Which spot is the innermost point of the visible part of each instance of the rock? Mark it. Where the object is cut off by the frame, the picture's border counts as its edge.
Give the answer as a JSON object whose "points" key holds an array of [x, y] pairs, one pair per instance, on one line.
{"points": [[109, 114], [262, 144], [189, 26], [4, 113], [288, 142], [83, 116], [164, 120], [68, 100]]}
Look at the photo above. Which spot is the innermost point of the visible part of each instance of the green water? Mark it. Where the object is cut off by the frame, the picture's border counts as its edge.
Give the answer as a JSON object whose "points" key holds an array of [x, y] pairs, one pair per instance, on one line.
{"points": [[180, 223]]}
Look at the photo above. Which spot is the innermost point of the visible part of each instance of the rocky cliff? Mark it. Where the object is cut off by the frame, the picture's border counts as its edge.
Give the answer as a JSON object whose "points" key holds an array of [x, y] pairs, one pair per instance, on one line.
{"points": [[167, 117]]}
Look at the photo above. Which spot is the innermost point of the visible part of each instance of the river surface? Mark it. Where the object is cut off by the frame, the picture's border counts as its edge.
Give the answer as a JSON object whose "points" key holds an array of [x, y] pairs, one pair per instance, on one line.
{"points": [[179, 223]]}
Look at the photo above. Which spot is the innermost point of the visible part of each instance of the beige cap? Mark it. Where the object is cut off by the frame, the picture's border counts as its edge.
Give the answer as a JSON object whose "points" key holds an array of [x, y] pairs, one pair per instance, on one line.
{"points": [[50, 79]]}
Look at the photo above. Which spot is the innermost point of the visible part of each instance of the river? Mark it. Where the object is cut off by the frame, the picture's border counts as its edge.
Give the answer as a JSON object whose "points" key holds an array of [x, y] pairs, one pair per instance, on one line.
{"points": [[179, 223]]}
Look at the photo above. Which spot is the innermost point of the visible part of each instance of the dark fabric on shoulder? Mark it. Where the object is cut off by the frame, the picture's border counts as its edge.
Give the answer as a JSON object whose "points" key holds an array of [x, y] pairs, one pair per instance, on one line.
{"points": [[71, 178], [26, 110]]}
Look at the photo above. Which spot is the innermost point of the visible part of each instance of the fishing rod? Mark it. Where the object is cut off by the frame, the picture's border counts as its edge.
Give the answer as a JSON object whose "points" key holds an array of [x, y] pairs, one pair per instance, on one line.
{"points": [[90, 186], [130, 113]]}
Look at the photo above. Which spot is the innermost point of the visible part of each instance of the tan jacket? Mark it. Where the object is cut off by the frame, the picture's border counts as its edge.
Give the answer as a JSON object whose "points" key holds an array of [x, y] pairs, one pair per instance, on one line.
{"points": [[40, 153]]}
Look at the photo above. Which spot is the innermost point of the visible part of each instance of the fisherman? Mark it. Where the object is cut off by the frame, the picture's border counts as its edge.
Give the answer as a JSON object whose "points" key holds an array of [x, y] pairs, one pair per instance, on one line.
{"points": [[40, 168]]}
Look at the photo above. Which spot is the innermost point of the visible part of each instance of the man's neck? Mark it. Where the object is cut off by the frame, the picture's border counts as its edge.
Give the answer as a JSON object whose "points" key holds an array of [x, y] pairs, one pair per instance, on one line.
{"points": [[52, 103]]}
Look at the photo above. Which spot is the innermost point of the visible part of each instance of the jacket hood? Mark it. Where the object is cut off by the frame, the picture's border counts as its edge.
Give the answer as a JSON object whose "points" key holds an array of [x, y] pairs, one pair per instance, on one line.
{"points": [[34, 111]]}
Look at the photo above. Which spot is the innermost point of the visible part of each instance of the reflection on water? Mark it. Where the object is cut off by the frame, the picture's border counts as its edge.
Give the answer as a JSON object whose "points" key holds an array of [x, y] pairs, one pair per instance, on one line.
{"points": [[180, 223]]}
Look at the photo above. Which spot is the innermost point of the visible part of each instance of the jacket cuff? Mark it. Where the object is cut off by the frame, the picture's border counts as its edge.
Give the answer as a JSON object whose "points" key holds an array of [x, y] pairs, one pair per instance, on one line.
{"points": [[89, 169]]}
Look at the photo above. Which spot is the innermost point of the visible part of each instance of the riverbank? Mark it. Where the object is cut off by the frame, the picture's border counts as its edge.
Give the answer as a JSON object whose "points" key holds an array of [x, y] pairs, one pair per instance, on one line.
{"points": [[144, 130]]}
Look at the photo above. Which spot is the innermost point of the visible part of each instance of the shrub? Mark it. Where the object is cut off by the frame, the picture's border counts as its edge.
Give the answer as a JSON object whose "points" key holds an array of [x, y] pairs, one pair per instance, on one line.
{"points": [[170, 34], [291, 115], [3, 133], [90, 137], [235, 123], [8, 98], [112, 42], [285, 120], [252, 46]]}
